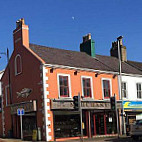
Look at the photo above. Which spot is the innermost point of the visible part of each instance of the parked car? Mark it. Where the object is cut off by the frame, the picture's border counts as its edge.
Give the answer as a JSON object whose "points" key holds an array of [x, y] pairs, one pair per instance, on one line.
{"points": [[136, 131]]}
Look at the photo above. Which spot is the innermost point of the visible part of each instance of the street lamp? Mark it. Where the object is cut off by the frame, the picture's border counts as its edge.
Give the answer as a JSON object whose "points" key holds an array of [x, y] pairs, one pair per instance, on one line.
{"points": [[120, 82], [6, 54]]}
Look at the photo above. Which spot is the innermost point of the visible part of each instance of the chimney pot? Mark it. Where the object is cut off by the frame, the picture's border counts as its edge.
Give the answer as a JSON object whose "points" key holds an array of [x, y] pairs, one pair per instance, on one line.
{"points": [[120, 40], [20, 22], [87, 37]]}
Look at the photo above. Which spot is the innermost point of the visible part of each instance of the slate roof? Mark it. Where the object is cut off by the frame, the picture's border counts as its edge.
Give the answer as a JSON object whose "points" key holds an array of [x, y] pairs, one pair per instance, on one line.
{"points": [[68, 58], [137, 65], [81, 60], [113, 63]]}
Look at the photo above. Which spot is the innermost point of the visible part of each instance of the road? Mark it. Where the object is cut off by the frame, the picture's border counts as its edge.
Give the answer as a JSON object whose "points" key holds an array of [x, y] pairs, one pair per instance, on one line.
{"points": [[112, 139]]}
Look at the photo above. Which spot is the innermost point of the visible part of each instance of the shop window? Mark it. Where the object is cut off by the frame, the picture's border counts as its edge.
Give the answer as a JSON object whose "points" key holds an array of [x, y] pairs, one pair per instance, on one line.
{"points": [[7, 95], [67, 126], [106, 89], [139, 90], [64, 85], [18, 65], [124, 89], [87, 90]]}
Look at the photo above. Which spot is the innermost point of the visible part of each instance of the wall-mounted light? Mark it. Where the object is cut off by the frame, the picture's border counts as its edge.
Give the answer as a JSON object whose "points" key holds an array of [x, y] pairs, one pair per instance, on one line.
{"points": [[76, 72], [114, 76], [96, 74], [51, 70]]}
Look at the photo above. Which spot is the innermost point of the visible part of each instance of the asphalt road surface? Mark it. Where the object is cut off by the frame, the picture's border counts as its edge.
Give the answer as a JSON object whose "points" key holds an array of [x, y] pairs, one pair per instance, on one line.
{"points": [[112, 139]]}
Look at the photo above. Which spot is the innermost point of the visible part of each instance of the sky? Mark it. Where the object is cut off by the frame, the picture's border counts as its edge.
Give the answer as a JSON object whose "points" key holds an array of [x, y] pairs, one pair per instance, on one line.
{"points": [[63, 23]]}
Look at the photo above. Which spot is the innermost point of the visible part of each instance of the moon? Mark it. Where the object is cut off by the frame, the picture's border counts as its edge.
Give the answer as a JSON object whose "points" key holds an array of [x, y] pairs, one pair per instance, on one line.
{"points": [[72, 17]]}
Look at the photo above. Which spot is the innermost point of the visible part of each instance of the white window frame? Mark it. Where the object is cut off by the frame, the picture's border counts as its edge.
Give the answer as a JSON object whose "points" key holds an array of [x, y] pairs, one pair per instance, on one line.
{"points": [[141, 90], [6, 98], [110, 81], [126, 90], [69, 83], [90, 77], [17, 73]]}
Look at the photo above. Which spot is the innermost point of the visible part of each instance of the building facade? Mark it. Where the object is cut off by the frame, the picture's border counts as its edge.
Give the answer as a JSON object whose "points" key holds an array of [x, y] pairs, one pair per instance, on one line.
{"points": [[131, 78], [44, 80]]}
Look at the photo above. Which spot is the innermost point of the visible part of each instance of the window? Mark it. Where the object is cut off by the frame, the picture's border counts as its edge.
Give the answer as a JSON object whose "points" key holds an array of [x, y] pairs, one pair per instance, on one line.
{"points": [[18, 65], [87, 87], [106, 89], [139, 90], [64, 86], [124, 89]]}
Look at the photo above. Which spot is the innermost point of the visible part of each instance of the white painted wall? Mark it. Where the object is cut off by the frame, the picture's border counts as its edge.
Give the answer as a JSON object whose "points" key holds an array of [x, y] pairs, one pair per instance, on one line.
{"points": [[131, 87]]}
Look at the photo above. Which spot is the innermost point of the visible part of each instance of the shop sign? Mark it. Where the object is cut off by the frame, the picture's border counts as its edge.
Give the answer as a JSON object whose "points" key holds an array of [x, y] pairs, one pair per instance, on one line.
{"points": [[95, 105], [24, 93], [58, 104], [27, 106], [68, 104], [132, 105]]}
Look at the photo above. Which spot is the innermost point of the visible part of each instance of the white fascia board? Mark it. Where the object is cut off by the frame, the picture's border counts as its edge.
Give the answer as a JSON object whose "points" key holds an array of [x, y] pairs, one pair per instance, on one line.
{"points": [[82, 69]]}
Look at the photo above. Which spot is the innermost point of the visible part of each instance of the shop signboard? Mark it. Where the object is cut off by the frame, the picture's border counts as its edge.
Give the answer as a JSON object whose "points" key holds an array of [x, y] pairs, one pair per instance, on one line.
{"points": [[68, 104], [95, 105], [132, 105], [62, 104], [27, 106]]}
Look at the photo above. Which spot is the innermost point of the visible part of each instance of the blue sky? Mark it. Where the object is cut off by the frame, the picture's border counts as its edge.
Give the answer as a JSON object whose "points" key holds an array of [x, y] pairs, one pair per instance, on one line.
{"points": [[62, 23]]}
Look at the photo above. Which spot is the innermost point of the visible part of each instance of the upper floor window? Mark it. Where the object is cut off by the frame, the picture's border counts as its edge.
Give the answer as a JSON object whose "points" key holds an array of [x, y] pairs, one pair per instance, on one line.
{"points": [[64, 85], [87, 90], [18, 65], [106, 89], [124, 89], [139, 90]]}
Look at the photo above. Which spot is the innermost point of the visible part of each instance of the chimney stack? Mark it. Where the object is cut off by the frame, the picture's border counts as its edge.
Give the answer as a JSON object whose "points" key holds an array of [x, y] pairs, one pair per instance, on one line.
{"points": [[88, 45], [21, 34], [114, 49], [87, 37]]}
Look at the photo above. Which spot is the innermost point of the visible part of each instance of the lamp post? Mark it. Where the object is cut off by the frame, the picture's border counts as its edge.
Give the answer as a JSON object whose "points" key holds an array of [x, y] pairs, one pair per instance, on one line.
{"points": [[9, 83], [120, 83]]}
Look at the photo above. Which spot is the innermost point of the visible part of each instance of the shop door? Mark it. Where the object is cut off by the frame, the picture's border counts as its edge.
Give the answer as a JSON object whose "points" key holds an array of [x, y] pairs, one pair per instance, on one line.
{"points": [[29, 124], [99, 121]]}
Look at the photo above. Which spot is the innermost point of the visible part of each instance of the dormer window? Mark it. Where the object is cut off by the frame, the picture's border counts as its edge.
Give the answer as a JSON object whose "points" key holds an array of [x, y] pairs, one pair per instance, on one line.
{"points": [[18, 65]]}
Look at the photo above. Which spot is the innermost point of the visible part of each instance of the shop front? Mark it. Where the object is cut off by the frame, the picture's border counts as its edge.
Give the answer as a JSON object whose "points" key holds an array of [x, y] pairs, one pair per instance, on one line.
{"points": [[97, 119], [131, 109], [29, 119]]}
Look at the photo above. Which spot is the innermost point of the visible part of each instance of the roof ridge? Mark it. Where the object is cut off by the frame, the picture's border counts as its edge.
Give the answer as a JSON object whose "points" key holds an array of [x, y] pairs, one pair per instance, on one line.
{"points": [[134, 61], [56, 48]]}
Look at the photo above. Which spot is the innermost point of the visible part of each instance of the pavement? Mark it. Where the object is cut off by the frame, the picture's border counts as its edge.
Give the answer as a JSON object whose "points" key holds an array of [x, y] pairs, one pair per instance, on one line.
{"points": [[109, 139]]}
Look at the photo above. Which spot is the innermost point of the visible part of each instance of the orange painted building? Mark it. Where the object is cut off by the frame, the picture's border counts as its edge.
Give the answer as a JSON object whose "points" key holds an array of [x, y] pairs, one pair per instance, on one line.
{"points": [[44, 80]]}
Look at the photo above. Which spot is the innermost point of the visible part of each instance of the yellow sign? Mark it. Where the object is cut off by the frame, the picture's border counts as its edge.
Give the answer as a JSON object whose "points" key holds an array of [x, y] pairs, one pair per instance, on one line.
{"points": [[34, 137], [83, 126]]}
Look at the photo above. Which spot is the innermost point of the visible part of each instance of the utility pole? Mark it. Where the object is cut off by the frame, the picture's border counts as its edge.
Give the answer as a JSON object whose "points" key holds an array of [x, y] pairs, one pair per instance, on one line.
{"points": [[80, 110], [120, 83]]}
